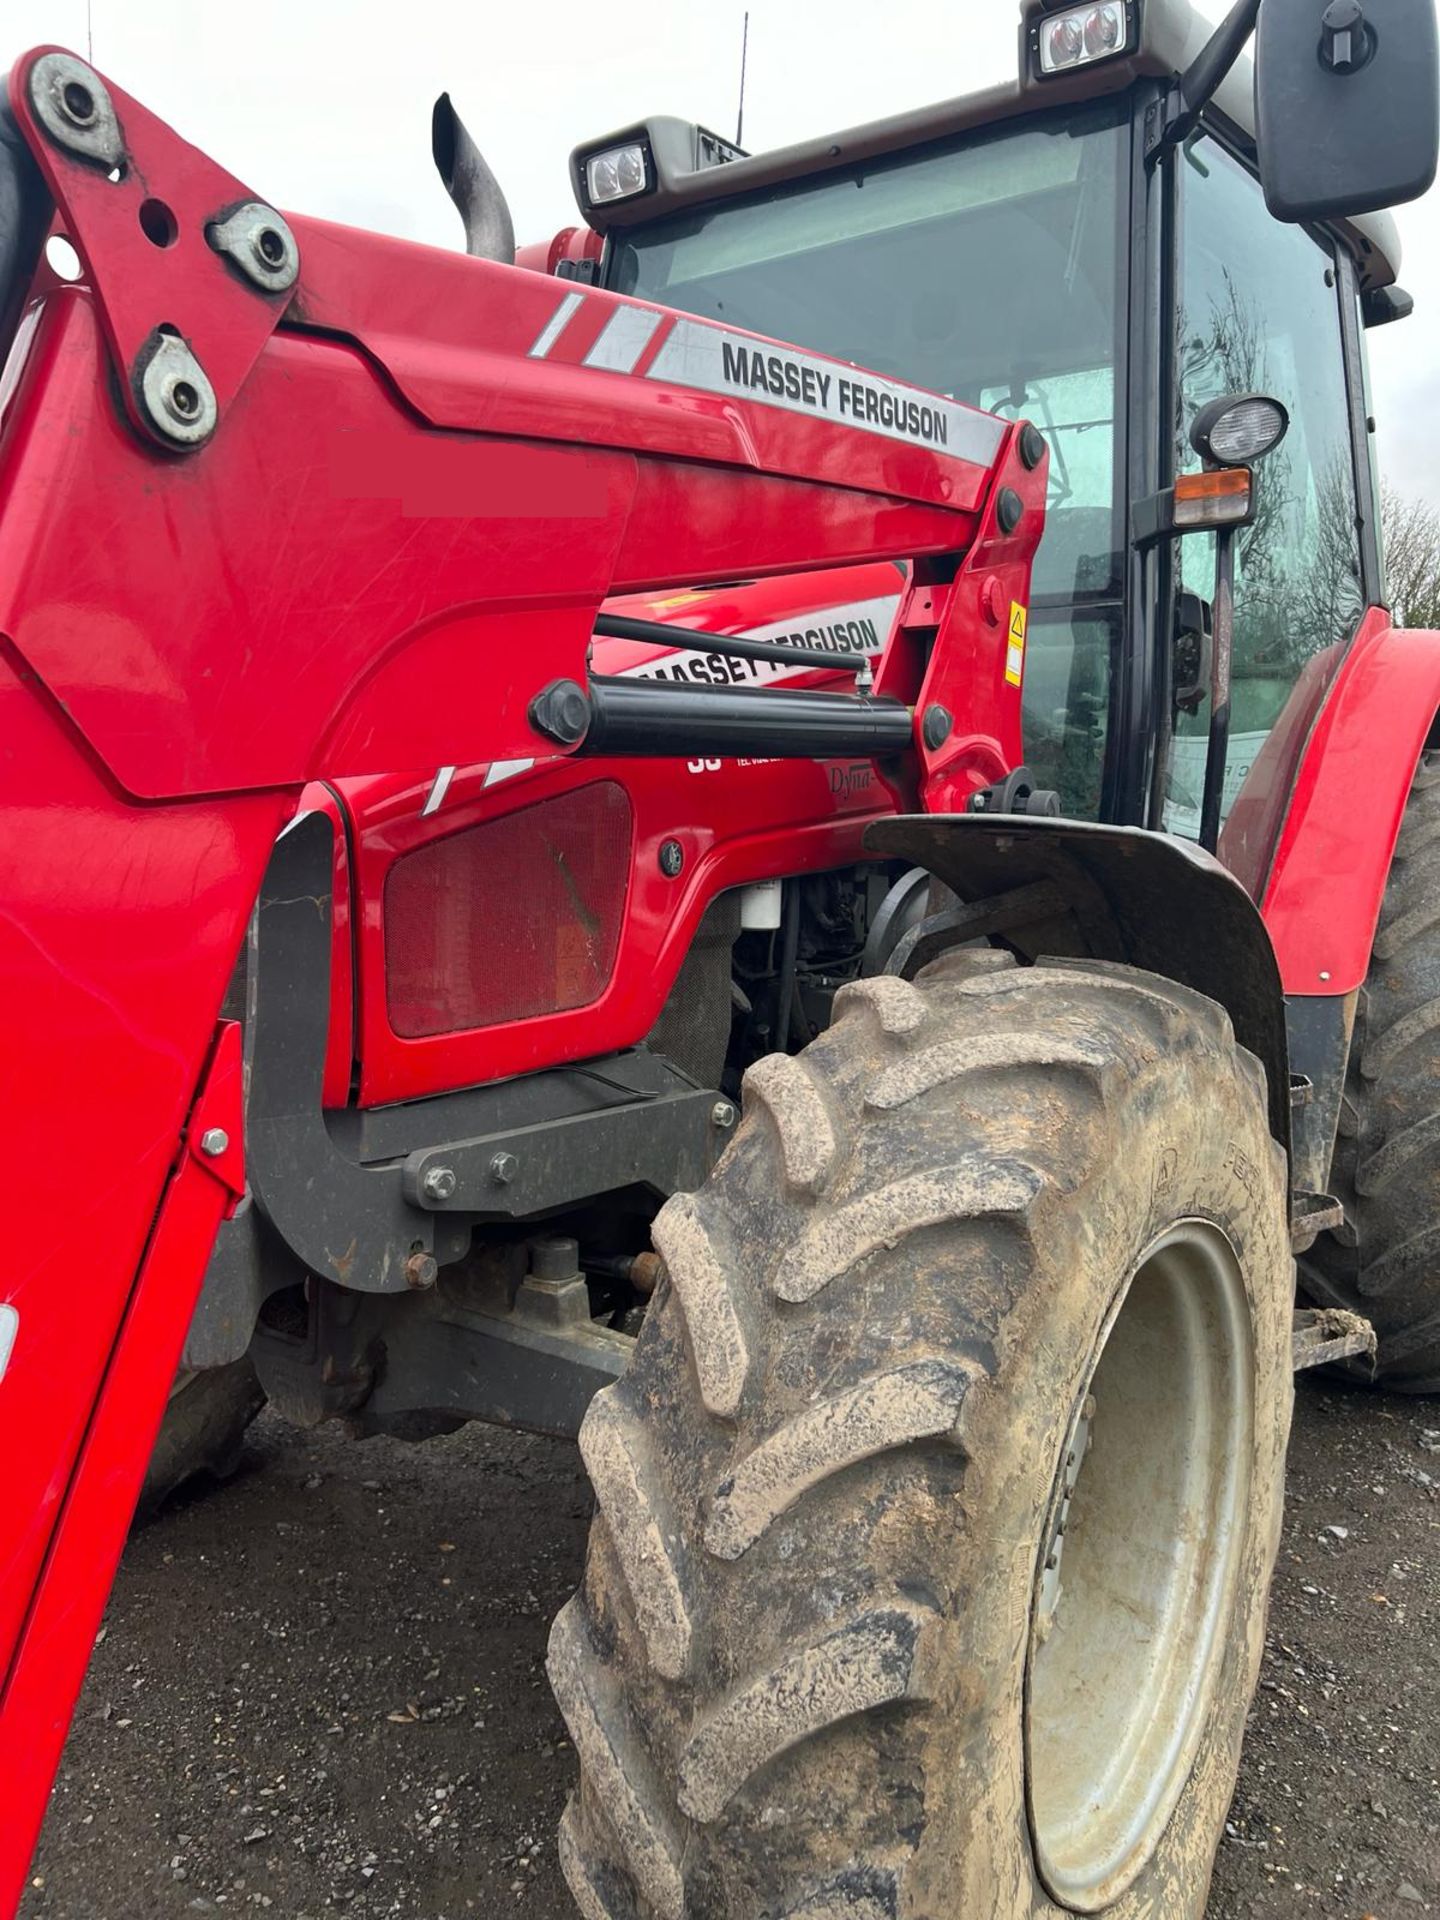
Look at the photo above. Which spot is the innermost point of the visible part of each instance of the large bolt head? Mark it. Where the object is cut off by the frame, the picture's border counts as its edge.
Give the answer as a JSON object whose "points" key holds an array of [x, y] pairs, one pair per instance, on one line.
{"points": [[175, 395], [260, 243], [421, 1270], [73, 105], [439, 1183]]}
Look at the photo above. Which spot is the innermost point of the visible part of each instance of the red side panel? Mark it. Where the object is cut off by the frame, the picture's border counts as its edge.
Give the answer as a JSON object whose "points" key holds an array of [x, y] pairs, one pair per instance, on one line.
{"points": [[1328, 880], [328, 586], [733, 821], [118, 933]]}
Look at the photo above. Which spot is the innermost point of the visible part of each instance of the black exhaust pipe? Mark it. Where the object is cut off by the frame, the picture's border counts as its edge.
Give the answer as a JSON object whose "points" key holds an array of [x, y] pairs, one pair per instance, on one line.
{"points": [[489, 230]]}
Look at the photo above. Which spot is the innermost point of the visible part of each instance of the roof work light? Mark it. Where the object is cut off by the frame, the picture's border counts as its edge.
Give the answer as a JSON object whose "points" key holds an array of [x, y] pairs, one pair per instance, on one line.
{"points": [[618, 173], [1079, 36]]}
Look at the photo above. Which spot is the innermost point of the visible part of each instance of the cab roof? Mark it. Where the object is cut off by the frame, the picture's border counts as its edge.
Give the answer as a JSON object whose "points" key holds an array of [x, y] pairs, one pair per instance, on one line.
{"points": [[1172, 33]]}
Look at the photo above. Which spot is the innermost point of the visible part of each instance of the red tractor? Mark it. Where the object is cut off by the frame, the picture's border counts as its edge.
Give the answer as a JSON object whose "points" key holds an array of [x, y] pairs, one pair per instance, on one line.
{"points": [[866, 975]]}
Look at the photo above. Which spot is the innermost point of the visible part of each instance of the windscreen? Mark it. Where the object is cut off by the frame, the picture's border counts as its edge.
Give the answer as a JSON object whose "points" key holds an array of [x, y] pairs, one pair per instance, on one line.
{"points": [[985, 268]]}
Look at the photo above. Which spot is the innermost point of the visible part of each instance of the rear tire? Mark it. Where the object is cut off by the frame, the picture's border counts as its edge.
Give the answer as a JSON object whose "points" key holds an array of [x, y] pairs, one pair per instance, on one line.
{"points": [[1386, 1264], [808, 1672], [203, 1432]]}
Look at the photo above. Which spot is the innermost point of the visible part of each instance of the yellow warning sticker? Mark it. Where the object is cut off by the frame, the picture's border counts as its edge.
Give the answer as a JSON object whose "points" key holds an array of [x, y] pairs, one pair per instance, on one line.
{"points": [[1015, 646]]}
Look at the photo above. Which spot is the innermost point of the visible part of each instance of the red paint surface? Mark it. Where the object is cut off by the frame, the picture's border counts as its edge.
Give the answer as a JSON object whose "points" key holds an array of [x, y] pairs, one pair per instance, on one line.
{"points": [[1323, 898], [330, 588]]}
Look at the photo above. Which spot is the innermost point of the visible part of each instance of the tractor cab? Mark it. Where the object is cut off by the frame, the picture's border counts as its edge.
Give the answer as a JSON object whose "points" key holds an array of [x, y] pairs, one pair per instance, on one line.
{"points": [[1082, 248]]}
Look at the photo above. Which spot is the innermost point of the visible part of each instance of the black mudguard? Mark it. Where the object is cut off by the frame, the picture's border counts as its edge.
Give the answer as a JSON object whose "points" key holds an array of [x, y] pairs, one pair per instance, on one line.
{"points": [[1144, 899]]}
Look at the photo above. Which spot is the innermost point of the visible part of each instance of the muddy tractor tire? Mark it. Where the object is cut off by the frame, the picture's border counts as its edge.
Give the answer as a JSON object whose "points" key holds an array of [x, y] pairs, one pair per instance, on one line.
{"points": [[1385, 1263], [202, 1433], [937, 1510]]}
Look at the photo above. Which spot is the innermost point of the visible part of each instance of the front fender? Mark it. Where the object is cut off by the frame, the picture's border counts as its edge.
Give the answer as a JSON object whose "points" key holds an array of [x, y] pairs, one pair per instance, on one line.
{"points": [[1144, 899], [1322, 901]]}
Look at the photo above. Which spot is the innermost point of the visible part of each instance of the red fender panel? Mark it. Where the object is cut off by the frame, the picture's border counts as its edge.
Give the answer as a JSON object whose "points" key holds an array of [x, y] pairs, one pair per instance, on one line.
{"points": [[1328, 880]]}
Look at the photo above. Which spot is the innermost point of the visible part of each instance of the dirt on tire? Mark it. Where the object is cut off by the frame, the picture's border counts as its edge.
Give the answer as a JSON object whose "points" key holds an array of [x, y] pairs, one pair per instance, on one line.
{"points": [[202, 1433], [798, 1674]]}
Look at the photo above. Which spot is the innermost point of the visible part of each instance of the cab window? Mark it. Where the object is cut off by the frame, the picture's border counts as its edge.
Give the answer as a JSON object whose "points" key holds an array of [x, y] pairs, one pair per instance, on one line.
{"points": [[1259, 312], [986, 267]]}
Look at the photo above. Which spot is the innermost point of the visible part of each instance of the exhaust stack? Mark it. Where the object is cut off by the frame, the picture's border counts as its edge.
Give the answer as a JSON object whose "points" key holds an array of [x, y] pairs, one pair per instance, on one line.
{"points": [[489, 230]]}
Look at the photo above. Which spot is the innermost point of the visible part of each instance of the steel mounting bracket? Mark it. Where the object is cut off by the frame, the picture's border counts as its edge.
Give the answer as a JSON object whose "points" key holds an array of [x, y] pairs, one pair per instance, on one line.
{"points": [[190, 272]]}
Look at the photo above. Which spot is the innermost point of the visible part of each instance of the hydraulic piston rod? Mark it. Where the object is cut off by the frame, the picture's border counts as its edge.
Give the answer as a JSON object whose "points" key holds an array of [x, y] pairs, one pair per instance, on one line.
{"points": [[647, 717]]}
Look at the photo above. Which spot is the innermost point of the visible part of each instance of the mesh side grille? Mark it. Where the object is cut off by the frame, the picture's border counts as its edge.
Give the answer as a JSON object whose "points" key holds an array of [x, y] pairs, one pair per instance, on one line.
{"points": [[511, 919], [694, 1025]]}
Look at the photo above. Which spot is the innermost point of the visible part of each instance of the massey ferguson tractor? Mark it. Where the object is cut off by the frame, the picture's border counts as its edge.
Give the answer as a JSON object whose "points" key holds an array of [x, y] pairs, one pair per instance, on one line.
{"points": [[829, 917]]}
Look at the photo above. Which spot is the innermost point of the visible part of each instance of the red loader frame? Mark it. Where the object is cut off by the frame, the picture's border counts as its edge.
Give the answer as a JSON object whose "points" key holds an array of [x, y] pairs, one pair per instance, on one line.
{"points": [[367, 544], [395, 534]]}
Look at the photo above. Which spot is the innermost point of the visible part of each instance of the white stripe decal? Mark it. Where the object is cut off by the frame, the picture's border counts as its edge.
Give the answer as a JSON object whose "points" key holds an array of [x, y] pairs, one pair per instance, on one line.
{"points": [[9, 1327], [555, 325], [439, 787], [859, 626], [499, 770], [718, 361], [623, 339]]}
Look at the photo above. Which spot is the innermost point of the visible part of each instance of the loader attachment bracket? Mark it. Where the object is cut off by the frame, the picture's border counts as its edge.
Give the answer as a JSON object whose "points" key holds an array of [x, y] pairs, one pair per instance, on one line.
{"points": [[376, 1199], [1115, 893], [190, 271]]}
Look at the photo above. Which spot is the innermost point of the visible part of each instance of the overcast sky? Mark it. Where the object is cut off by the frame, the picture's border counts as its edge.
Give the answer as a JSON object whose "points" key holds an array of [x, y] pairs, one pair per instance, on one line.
{"points": [[323, 106]]}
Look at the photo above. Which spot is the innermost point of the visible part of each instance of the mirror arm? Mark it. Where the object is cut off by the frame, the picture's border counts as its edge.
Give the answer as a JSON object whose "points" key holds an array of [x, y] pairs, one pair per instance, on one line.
{"points": [[1201, 80]]}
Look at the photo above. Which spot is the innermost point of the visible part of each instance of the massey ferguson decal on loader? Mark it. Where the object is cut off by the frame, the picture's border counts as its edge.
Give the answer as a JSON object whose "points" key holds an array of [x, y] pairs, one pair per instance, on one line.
{"points": [[894, 1183]]}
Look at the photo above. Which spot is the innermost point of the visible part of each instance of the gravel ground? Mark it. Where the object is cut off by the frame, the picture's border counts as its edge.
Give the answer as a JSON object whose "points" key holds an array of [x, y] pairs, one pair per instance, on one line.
{"points": [[321, 1688]]}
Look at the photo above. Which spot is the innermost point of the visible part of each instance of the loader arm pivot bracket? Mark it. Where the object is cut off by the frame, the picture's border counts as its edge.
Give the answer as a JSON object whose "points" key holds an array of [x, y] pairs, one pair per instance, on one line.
{"points": [[155, 225], [1120, 894]]}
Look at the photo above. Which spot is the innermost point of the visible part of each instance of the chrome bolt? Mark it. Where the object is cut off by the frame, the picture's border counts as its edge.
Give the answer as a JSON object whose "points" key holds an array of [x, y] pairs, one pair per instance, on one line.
{"points": [[439, 1183], [502, 1169], [214, 1141], [722, 1114]]}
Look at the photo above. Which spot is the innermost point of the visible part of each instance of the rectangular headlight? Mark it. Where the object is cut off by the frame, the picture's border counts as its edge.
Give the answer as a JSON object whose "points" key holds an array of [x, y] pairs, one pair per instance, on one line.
{"points": [[1081, 35], [619, 173]]}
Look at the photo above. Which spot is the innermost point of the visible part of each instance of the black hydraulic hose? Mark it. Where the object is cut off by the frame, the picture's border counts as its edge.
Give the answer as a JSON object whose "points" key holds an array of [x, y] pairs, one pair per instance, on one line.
{"points": [[620, 626], [665, 718], [24, 215]]}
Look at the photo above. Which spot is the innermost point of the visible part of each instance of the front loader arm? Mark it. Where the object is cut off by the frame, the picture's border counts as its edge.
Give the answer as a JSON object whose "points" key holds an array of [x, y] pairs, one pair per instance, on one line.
{"points": [[256, 529]]}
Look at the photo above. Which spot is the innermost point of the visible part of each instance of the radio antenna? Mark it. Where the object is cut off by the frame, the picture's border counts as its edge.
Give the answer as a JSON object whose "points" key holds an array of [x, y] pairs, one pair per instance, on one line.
{"points": [[744, 49]]}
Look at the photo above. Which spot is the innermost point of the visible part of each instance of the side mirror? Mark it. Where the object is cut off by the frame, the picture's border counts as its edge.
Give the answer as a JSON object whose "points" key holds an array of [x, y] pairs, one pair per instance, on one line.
{"points": [[1347, 104]]}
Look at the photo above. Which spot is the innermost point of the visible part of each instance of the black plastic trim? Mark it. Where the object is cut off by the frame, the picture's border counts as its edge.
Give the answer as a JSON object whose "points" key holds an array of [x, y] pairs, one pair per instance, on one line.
{"points": [[25, 208], [1146, 899]]}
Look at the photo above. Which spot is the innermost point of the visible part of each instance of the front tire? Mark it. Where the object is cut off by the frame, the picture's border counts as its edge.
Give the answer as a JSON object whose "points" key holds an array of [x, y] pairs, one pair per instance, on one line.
{"points": [[819, 1665], [203, 1433]]}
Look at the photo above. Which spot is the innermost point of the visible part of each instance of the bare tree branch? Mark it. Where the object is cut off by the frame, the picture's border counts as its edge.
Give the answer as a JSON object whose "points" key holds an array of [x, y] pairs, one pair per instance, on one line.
{"points": [[1412, 558]]}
